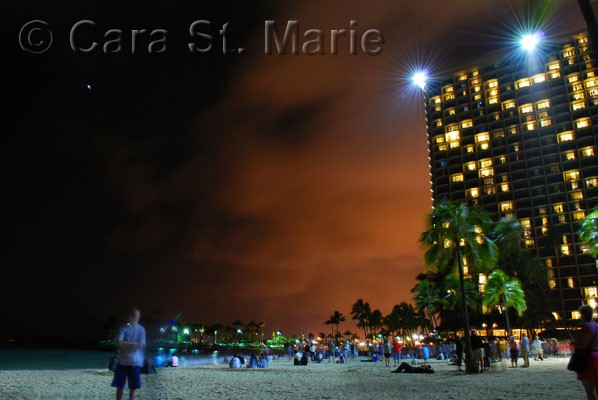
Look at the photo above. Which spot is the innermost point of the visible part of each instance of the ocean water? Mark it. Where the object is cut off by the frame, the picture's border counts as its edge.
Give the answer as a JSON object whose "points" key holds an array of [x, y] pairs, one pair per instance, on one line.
{"points": [[57, 359], [52, 359]]}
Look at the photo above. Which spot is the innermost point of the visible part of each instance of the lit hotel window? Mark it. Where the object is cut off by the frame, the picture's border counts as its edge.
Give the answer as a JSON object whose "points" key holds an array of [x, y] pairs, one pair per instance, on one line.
{"points": [[573, 78], [553, 66], [587, 152], [552, 285], [571, 175], [574, 315], [450, 111], [570, 282], [449, 96], [579, 96], [451, 128], [526, 108], [582, 40], [469, 149], [538, 78], [462, 77], [544, 230], [470, 166], [439, 139], [542, 210], [435, 100], [482, 137], [590, 291], [568, 52], [542, 104], [484, 172], [506, 206], [457, 178], [577, 195], [530, 126], [545, 122], [593, 92], [508, 104], [492, 92], [578, 215], [521, 83], [565, 249], [577, 87], [475, 73], [570, 155], [472, 193], [584, 248], [498, 133], [565, 136], [476, 89], [591, 82], [447, 89], [512, 129], [486, 162], [504, 187], [502, 159], [558, 208], [555, 75], [489, 190], [529, 243], [492, 83], [578, 105], [542, 114], [545, 221], [466, 124], [592, 182], [493, 100], [590, 74], [582, 123]]}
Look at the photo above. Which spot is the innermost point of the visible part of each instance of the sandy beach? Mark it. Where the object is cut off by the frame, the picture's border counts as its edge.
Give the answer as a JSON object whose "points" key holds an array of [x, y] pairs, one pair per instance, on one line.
{"points": [[547, 379]]}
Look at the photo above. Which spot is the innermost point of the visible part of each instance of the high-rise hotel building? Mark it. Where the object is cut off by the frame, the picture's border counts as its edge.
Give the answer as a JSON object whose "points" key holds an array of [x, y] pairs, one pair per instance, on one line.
{"points": [[519, 138]]}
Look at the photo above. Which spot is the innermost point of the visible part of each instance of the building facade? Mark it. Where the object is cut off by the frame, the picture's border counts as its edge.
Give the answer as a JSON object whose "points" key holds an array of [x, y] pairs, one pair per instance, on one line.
{"points": [[519, 138]]}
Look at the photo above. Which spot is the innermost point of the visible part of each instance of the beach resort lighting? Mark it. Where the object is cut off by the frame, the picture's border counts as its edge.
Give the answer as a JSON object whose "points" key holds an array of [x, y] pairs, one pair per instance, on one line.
{"points": [[530, 41], [186, 331], [419, 78]]}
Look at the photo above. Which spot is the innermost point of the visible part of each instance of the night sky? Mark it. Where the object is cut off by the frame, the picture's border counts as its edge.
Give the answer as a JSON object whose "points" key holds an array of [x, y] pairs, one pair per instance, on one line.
{"points": [[270, 188]]}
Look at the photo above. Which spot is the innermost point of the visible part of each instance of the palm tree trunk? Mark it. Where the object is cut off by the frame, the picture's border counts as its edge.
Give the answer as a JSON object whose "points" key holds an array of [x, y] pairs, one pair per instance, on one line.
{"points": [[507, 320], [470, 363]]}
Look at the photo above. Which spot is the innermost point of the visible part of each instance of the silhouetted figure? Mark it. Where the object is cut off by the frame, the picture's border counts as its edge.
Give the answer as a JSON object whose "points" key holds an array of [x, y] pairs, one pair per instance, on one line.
{"points": [[408, 369]]}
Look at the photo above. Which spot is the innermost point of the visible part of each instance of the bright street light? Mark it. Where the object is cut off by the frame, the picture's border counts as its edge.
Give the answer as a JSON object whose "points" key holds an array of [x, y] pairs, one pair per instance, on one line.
{"points": [[530, 41], [419, 78]]}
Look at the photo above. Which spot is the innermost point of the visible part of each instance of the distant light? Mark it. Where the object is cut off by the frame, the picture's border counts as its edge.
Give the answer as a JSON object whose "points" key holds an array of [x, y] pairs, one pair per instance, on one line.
{"points": [[419, 78], [88, 86], [530, 42]]}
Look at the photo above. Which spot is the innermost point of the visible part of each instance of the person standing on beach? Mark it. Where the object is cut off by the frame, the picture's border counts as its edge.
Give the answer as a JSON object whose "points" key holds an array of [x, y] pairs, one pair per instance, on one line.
{"points": [[396, 350], [587, 339], [477, 346], [131, 342], [513, 351], [331, 351], [524, 349]]}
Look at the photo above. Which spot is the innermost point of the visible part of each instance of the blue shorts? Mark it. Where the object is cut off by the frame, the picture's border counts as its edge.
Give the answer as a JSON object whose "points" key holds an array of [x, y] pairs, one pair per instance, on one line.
{"points": [[397, 356], [127, 373]]}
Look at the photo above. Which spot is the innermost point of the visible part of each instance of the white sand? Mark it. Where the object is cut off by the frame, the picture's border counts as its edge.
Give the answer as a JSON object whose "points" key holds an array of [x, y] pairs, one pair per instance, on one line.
{"points": [[544, 380]]}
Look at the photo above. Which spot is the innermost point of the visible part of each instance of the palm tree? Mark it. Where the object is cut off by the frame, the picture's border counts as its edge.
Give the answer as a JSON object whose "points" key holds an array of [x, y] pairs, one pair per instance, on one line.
{"points": [[454, 233], [427, 298], [505, 292], [361, 312], [588, 232], [376, 319], [337, 318]]}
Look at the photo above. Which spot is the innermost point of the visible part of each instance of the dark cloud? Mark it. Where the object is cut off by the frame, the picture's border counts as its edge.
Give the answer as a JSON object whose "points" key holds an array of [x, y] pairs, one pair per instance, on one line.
{"points": [[275, 188]]}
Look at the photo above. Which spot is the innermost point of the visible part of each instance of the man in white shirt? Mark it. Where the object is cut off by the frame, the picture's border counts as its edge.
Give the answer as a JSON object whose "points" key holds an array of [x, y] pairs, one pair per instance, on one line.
{"points": [[131, 342]]}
